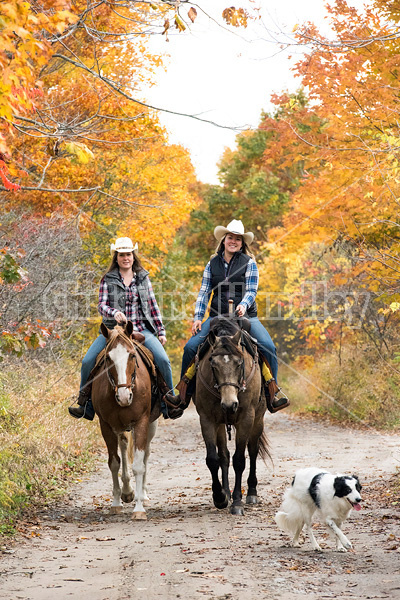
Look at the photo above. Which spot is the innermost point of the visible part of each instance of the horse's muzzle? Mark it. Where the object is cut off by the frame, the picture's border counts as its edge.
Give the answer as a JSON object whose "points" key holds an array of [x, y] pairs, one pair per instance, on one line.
{"points": [[231, 407], [124, 397]]}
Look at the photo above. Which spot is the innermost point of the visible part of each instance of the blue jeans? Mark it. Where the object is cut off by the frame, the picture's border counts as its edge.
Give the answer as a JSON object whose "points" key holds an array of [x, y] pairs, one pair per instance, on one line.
{"points": [[258, 331], [151, 342]]}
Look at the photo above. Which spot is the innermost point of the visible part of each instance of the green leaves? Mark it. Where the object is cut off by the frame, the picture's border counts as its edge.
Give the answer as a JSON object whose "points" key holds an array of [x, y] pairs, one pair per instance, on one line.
{"points": [[10, 271]]}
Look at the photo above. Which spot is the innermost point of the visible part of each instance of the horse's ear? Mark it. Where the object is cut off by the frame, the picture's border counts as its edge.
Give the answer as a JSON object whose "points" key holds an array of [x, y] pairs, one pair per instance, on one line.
{"points": [[236, 337], [104, 330], [211, 338], [129, 328]]}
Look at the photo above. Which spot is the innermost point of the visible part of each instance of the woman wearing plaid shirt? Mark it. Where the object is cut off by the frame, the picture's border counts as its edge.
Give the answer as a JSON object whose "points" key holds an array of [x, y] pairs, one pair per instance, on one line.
{"points": [[231, 273], [125, 295]]}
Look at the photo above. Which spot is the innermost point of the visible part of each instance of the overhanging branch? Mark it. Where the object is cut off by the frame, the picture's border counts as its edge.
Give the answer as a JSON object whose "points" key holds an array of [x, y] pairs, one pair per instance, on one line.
{"points": [[112, 85]]}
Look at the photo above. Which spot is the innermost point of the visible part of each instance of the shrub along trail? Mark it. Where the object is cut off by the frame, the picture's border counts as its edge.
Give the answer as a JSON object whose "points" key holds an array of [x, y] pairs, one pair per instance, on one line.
{"points": [[189, 549]]}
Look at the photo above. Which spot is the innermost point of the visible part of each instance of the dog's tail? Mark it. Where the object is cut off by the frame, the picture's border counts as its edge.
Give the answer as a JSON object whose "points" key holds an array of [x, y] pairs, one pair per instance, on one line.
{"points": [[290, 518], [281, 519]]}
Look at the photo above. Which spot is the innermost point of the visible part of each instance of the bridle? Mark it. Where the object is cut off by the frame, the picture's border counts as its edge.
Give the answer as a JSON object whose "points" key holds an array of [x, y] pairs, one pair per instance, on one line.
{"points": [[241, 386]]}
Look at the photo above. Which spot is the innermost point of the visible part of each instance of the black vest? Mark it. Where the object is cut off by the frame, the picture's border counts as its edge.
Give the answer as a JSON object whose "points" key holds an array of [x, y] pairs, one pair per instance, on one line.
{"points": [[231, 286], [117, 297]]}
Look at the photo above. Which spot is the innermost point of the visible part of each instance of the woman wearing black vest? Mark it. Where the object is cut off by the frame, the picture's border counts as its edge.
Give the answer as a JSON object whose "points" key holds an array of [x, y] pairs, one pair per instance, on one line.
{"points": [[126, 294], [231, 273]]}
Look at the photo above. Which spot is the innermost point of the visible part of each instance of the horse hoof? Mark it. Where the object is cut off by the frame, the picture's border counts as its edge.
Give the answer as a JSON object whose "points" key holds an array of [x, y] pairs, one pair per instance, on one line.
{"points": [[252, 500], [223, 504], [115, 510], [139, 516], [237, 510], [127, 497]]}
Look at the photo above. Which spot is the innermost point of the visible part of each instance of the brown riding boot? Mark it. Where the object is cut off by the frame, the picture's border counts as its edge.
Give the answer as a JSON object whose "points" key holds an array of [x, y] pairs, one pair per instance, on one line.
{"points": [[279, 398], [280, 401], [170, 404], [276, 399], [172, 412], [171, 400], [177, 404]]}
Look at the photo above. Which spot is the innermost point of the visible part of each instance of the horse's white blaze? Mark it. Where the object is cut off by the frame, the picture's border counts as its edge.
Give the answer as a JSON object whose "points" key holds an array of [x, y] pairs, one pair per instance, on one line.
{"points": [[119, 355], [138, 468], [226, 358]]}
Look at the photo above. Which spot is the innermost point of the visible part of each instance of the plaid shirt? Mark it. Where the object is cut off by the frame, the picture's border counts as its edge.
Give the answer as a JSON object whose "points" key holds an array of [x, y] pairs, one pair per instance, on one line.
{"points": [[251, 279], [133, 310]]}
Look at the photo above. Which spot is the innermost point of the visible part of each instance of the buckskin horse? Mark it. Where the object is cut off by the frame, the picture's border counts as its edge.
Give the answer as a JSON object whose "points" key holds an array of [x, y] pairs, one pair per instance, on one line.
{"points": [[121, 396], [228, 393]]}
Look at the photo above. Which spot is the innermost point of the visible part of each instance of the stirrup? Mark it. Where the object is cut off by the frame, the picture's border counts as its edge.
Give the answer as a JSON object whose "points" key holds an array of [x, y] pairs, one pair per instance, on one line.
{"points": [[279, 401]]}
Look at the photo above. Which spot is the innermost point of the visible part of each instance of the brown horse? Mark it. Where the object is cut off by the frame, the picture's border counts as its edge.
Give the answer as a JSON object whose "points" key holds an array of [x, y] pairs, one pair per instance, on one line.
{"points": [[121, 396], [228, 393]]}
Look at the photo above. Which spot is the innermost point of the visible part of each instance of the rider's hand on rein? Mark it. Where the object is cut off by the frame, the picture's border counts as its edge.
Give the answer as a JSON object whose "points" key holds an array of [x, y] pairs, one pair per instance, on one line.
{"points": [[120, 317]]}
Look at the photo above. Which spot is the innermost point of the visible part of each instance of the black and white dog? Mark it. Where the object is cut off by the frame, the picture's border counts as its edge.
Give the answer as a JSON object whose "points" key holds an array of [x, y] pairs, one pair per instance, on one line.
{"points": [[314, 489]]}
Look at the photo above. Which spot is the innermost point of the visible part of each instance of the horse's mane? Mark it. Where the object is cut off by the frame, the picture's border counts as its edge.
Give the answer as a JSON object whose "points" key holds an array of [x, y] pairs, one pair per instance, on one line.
{"points": [[224, 326], [118, 332], [225, 329]]}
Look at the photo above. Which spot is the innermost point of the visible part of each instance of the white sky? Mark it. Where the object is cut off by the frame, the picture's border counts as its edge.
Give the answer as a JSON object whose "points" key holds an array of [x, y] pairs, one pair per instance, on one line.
{"points": [[227, 76]]}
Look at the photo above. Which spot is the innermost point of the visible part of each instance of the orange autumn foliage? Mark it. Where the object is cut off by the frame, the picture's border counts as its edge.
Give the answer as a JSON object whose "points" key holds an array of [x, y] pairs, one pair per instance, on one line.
{"points": [[87, 134], [24, 50], [70, 123], [345, 140], [9, 185]]}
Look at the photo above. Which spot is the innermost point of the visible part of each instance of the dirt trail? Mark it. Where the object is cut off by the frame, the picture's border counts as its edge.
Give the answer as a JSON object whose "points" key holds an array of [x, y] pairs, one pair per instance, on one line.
{"points": [[188, 549]]}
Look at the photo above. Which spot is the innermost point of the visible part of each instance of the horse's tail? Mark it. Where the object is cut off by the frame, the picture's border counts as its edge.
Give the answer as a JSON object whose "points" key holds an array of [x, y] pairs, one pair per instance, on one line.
{"points": [[263, 447]]}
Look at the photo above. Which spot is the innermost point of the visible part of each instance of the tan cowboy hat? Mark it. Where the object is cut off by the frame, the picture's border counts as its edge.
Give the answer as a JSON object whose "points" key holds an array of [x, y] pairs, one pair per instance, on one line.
{"points": [[123, 245], [235, 227]]}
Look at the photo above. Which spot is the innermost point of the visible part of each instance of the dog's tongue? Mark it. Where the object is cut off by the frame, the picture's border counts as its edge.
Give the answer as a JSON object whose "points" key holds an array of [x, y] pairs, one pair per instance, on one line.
{"points": [[357, 506]]}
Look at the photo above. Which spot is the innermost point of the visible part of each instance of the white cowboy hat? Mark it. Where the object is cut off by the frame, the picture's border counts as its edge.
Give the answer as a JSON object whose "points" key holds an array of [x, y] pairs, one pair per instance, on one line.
{"points": [[235, 227], [123, 245]]}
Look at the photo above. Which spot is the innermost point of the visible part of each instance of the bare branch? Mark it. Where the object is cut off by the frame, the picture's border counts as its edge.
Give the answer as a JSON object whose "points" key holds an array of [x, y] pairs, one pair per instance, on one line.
{"points": [[130, 202], [66, 190], [44, 171], [119, 90]]}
